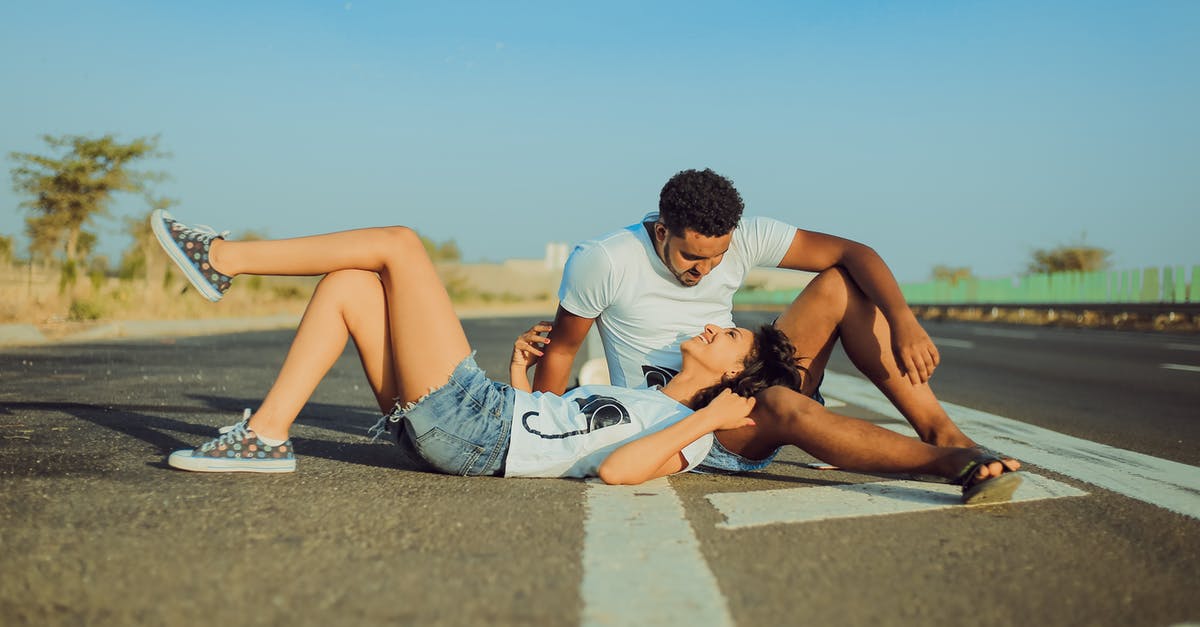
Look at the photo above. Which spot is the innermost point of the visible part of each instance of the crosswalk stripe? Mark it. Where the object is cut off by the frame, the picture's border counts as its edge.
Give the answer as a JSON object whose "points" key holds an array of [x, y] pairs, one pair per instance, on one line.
{"points": [[642, 563], [854, 500], [1166, 484]]}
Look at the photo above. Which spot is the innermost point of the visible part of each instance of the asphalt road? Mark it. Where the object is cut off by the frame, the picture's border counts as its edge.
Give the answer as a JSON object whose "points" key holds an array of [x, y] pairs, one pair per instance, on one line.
{"points": [[94, 529]]}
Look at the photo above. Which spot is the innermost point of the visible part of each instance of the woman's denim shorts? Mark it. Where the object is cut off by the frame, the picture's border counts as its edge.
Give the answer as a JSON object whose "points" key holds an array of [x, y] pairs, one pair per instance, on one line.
{"points": [[722, 461], [461, 428]]}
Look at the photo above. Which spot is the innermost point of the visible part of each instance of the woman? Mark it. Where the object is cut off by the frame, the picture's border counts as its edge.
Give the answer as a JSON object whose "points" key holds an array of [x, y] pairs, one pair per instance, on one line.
{"points": [[381, 290]]}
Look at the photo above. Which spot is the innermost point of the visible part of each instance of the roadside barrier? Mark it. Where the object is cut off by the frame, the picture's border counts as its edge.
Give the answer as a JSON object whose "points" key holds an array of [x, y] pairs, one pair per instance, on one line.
{"points": [[1148, 286]]}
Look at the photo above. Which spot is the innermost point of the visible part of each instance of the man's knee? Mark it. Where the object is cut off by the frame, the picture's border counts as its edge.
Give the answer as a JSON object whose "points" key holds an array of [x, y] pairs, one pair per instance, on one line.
{"points": [[833, 283], [783, 409]]}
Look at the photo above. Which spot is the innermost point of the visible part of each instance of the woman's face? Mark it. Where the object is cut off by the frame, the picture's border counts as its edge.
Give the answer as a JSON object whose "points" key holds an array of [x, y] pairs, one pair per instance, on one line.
{"points": [[720, 350]]}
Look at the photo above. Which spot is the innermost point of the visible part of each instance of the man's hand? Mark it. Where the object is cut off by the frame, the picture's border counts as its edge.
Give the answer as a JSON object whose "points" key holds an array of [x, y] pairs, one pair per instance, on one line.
{"points": [[733, 411], [914, 351], [554, 368], [527, 350]]}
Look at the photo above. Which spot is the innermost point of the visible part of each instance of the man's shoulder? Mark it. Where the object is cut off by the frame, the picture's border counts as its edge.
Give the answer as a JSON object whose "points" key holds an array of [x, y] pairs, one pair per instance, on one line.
{"points": [[619, 243]]}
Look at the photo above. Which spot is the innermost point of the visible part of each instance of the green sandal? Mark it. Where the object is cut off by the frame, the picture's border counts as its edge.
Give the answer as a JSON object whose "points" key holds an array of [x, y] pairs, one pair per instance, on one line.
{"points": [[977, 491]]}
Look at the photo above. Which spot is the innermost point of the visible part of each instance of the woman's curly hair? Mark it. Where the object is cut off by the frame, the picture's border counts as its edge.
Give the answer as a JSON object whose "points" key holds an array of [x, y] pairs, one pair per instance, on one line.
{"points": [[702, 201], [772, 361]]}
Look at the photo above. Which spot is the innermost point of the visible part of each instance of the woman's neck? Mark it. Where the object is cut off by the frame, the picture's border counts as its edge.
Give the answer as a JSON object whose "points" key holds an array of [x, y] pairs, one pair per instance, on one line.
{"points": [[683, 387]]}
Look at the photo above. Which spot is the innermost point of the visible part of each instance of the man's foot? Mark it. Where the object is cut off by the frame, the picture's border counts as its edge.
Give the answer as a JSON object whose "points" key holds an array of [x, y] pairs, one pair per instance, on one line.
{"points": [[188, 247], [236, 450], [988, 479], [951, 437]]}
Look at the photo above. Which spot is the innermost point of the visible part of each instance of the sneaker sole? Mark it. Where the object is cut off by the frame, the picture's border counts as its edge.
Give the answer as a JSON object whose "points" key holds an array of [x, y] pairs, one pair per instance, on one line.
{"points": [[162, 233], [186, 461]]}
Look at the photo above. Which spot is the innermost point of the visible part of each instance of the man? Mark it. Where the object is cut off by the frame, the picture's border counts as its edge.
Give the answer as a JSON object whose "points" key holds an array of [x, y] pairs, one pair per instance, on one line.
{"points": [[650, 285]]}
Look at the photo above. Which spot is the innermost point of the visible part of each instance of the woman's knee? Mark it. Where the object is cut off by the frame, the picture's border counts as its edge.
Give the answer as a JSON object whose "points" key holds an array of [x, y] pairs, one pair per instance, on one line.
{"points": [[400, 238], [350, 285], [400, 247]]}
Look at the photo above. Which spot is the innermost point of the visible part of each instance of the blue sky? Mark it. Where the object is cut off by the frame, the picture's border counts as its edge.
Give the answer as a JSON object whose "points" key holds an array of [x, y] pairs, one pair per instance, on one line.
{"points": [[960, 133]]}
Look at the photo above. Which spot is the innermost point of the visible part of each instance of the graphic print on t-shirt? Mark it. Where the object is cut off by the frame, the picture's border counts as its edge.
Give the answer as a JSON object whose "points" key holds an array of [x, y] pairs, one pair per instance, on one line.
{"points": [[658, 376], [598, 411]]}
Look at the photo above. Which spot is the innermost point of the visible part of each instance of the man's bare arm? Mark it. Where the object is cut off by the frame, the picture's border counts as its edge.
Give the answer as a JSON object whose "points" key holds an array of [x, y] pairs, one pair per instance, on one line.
{"points": [[815, 252], [566, 337]]}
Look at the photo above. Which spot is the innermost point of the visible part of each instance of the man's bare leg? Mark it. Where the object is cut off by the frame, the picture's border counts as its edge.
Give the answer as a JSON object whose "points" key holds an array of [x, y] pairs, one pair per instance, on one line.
{"points": [[832, 307], [783, 416]]}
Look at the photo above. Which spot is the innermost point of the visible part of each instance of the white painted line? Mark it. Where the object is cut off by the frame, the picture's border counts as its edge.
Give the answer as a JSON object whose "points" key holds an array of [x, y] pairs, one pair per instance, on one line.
{"points": [[1183, 347], [1183, 367], [1008, 333], [1166, 484], [642, 563], [855, 500], [833, 402], [941, 342]]}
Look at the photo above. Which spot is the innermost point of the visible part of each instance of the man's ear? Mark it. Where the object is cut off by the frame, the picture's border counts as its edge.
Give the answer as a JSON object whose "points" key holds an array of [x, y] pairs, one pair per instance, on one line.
{"points": [[660, 232]]}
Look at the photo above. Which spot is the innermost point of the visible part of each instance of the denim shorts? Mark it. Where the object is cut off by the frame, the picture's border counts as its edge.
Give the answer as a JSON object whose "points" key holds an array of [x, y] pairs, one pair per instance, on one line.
{"points": [[461, 428], [722, 461]]}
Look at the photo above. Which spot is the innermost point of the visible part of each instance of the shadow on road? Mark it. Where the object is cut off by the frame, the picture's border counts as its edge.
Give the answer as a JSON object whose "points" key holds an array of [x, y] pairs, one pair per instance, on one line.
{"points": [[153, 425]]}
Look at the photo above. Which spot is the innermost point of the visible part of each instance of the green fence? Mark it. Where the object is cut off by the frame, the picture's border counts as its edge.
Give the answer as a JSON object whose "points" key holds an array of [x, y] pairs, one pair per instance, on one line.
{"points": [[1172, 284], [1149, 285]]}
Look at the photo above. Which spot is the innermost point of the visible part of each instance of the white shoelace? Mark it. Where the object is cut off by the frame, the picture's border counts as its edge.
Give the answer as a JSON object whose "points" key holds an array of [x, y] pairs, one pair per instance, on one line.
{"points": [[199, 229], [241, 423]]}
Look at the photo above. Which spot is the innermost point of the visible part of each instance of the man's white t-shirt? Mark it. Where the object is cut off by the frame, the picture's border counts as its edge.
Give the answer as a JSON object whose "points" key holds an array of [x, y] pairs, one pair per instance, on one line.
{"points": [[570, 435], [642, 310]]}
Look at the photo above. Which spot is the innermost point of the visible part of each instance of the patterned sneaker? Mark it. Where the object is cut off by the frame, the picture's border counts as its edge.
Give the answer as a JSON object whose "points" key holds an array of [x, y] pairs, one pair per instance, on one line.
{"points": [[188, 248], [237, 450]]}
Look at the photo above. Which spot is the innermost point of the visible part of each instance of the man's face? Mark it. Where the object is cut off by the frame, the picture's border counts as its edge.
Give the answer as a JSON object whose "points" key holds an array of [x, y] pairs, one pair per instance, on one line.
{"points": [[692, 256]]}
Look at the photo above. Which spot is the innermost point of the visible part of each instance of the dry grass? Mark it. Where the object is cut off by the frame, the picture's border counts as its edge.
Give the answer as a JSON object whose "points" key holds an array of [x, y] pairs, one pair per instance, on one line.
{"points": [[33, 296]]}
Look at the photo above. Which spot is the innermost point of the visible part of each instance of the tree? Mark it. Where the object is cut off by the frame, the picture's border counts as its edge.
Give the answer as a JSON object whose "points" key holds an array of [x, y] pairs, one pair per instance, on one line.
{"points": [[69, 190], [144, 258], [1069, 257], [445, 251], [43, 237], [6, 249], [951, 274]]}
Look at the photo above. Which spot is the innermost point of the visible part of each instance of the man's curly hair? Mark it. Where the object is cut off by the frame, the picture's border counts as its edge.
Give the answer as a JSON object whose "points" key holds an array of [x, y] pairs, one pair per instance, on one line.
{"points": [[772, 361], [702, 201]]}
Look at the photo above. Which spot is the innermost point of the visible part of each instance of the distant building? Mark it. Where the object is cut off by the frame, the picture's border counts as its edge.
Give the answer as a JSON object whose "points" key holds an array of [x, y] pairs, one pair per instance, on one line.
{"points": [[556, 255]]}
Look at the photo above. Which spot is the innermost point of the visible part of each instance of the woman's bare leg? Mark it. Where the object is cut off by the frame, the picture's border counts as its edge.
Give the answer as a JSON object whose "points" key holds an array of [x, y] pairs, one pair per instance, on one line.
{"points": [[426, 339], [833, 307], [346, 304]]}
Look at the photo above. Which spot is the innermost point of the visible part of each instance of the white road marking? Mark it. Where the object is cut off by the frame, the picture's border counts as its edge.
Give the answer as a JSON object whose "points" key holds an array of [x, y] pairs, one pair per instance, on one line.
{"points": [[1183, 347], [1009, 333], [642, 563], [1160, 482], [952, 343], [854, 500], [1183, 367], [833, 402]]}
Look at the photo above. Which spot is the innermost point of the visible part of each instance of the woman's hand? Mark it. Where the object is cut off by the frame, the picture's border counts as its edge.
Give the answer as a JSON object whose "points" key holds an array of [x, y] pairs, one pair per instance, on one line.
{"points": [[527, 349], [732, 411]]}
